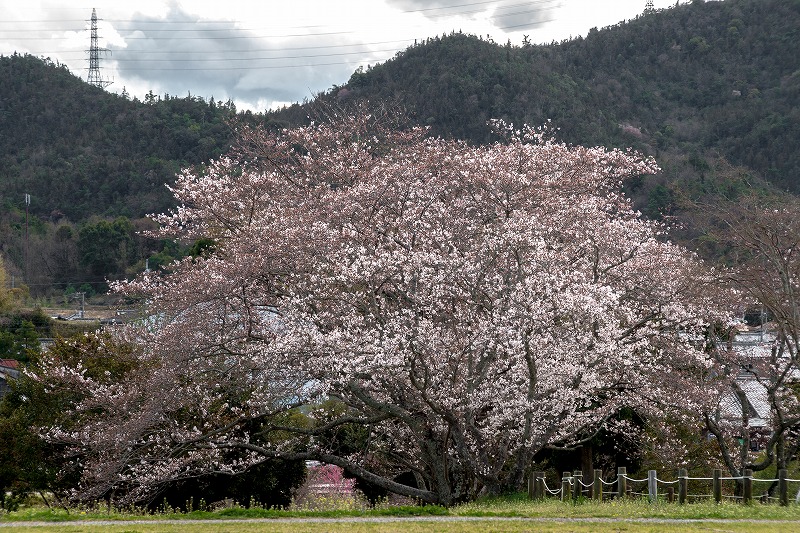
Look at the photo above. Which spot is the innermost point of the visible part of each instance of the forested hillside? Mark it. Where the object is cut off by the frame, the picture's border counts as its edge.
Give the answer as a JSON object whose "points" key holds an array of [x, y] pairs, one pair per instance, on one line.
{"points": [[709, 88], [80, 151], [699, 79], [93, 164]]}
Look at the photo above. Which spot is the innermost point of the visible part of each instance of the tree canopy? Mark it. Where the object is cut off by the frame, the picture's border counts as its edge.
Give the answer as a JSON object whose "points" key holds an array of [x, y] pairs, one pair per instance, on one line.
{"points": [[468, 306], [761, 237]]}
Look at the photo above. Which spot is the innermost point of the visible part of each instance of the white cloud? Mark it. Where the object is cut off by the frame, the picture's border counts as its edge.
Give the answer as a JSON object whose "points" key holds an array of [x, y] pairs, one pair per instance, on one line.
{"points": [[264, 54]]}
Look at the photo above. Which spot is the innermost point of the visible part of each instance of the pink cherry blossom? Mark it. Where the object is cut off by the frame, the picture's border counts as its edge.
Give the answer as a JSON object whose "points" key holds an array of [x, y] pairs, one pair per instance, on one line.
{"points": [[468, 305]]}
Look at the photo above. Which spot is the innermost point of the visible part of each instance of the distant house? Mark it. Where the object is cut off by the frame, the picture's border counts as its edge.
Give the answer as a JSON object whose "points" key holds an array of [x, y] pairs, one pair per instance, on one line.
{"points": [[754, 345], [9, 369], [45, 343], [757, 404]]}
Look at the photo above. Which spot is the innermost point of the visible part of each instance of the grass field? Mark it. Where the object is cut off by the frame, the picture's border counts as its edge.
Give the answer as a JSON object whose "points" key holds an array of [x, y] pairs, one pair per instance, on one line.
{"points": [[510, 514], [520, 506], [424, 525]]}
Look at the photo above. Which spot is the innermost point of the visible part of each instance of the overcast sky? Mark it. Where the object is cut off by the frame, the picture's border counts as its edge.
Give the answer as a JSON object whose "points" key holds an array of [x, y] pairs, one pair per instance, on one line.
{"points": [[265, 53]]}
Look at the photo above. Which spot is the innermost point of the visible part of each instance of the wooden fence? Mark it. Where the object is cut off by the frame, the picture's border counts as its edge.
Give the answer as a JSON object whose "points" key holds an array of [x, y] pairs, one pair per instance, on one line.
{"points": [[572, 486]]}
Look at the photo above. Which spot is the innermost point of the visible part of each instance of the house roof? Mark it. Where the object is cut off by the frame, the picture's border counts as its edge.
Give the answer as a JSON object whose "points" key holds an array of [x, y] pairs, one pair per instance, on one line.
{"points": [[758, 411]]}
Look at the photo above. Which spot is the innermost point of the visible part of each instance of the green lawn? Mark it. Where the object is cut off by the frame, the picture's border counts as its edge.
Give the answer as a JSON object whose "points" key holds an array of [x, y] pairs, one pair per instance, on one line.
{"points": [[425, 525], [517, 513], [521, 506]]}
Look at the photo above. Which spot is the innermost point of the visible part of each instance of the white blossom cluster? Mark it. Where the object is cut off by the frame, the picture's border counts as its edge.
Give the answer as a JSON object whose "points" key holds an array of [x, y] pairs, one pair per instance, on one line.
{"points": [[469, 305]]}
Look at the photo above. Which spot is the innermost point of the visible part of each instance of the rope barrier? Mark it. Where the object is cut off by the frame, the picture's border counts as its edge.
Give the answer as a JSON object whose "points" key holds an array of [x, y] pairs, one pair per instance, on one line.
{"points": [[634, 480], [667, 482], [548, 489], [729, 478], [579, 485]]}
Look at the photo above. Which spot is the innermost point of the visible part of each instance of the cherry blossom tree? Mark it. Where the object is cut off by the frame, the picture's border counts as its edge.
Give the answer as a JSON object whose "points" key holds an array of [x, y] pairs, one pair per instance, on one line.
{"points": [[468, 306], [761, 235]]}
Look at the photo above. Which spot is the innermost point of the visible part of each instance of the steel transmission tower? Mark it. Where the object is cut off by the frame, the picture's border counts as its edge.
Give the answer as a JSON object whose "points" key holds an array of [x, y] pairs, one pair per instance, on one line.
{"points": [[94, 57], [648, 8]]}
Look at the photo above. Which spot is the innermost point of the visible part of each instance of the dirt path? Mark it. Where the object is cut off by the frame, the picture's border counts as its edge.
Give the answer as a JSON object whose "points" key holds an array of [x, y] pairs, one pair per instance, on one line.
{"points": [[399, 520]]}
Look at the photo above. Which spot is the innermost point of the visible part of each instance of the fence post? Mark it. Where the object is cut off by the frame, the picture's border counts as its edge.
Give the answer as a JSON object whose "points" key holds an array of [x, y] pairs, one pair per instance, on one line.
{"points": [[538, 487], [566, 493], [783, 486], [683, 485], [652, 486], [597, 485], [621, 481], [540, 491], [577, 478], [717, 485], [671, 494], [747, 486], [532, 486]]}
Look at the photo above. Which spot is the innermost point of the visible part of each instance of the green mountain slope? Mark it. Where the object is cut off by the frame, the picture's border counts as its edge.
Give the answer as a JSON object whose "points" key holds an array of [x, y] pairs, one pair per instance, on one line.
{"points": [[705, 77], [80, 151], [711, 89], [85, 156]]}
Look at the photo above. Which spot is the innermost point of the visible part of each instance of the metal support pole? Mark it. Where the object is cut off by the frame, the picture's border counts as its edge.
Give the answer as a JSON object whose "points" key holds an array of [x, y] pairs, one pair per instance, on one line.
{"points": [[27, 242]]}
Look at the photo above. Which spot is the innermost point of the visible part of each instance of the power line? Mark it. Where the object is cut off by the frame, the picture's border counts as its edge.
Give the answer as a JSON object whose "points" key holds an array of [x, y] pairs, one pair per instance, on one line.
{"points": [[244, 50], [500, 8], [207, 59], [547, 5], [206, 38], [472, 12], [282, 48], [182, 60], [527, 25], [66, 283], [265, 67], [427, 11], [468, 4], [272, 67]]}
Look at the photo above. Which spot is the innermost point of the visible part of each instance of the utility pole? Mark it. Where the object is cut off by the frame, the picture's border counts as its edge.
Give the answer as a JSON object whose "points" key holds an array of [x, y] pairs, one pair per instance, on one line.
{"points": [[27, 241], [82, 297], [94, 57]]}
